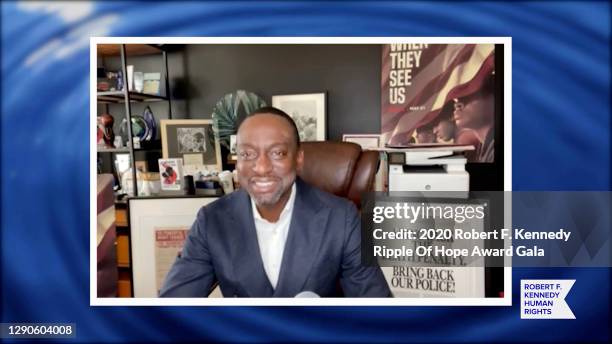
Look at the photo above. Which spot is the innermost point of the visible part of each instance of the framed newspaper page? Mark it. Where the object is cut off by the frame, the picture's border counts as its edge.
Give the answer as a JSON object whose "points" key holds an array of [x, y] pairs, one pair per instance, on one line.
{"points": [[158, 228]]}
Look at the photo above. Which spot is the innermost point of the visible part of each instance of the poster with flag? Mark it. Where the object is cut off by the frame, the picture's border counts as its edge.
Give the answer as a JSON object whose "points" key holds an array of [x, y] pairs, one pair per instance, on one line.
{"points": [[439, 94]]}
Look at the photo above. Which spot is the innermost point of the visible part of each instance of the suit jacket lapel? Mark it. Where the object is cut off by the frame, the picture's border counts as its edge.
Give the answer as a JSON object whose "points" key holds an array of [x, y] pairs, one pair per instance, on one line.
{"points": [[303, 242], [246, 256]]}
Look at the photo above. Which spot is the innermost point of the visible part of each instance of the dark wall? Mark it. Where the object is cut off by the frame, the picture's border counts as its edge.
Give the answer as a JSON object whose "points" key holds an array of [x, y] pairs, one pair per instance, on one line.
{"points": [[350, 74], [490, 176]]}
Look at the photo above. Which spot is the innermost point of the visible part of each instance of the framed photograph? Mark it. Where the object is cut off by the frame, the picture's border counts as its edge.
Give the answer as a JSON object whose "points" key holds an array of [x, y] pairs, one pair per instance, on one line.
{"points": [[158, 228], [193, 141], [233, 144], [171, 174], [308, 111], [366, 141], [151, 83]]}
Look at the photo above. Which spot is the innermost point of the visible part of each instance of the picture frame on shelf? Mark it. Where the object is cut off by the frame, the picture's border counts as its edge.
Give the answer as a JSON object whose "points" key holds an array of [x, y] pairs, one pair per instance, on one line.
{"points": [[171, 174], [366, 141], [192, 140], [233, 155], [233, 144], [158, 228], [309, 112], [151, 82]]}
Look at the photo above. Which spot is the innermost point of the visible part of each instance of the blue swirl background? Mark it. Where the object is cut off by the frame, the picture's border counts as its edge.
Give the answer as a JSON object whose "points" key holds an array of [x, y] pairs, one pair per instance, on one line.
{"points": [[561, 141]]}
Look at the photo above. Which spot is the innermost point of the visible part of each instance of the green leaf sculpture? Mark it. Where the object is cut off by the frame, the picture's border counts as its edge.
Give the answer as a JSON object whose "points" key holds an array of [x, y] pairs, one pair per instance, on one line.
{"points": [[230, 110]]}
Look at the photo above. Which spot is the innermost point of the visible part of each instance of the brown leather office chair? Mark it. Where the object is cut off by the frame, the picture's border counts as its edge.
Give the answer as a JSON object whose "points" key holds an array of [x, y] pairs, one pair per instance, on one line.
{"points": [[341, 168]]}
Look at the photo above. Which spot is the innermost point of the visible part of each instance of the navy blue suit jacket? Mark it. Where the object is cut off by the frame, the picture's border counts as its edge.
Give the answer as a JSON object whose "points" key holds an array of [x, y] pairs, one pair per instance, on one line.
{"points": [[323, 246]]}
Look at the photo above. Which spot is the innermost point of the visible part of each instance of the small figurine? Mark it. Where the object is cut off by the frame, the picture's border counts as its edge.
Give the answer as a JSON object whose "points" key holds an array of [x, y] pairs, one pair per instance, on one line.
{"points": [[106, 135]]}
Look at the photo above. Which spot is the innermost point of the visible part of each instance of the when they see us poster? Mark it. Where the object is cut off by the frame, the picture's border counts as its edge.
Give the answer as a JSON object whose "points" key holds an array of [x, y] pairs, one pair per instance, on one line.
{"points": [[439, 94]]}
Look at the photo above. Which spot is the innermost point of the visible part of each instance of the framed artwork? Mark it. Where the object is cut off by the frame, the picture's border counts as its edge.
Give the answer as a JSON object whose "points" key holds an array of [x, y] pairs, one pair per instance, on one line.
{"points": [[233, 144], [193, 141], [158, 229], [151, 83], [366, 141], [308, 111], [171, 174]]}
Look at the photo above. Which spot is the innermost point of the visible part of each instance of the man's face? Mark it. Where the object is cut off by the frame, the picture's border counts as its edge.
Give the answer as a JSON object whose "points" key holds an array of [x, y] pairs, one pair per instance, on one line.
{"points": [[268, 158], [444, 131], [474, 111], [425, 137]]}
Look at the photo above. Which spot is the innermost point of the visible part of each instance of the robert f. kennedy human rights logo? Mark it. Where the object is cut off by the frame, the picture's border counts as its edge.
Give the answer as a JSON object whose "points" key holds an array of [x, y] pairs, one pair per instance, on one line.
{"points": [[545, 299]]}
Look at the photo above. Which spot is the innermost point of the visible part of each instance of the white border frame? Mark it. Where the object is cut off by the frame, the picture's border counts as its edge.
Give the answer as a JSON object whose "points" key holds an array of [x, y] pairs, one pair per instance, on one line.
{"points": [[95, 301], [320, 100]]}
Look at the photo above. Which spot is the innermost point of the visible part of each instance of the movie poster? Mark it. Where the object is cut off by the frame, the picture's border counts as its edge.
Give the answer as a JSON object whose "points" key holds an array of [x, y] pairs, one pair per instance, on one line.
{"points": [[439, 94]]}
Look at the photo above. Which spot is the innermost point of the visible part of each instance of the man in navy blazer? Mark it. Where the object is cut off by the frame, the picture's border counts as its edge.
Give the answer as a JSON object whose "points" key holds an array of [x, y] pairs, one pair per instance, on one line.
{"points": [[277, 236]]}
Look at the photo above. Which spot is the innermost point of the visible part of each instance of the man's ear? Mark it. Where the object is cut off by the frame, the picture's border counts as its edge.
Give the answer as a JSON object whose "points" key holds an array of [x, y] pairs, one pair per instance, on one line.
{"points": [[299, 160]]}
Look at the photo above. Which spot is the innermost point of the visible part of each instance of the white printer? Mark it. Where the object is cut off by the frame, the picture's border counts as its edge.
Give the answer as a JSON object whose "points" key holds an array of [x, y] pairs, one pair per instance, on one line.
{"points": [[428, 169], [433, 169]]}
